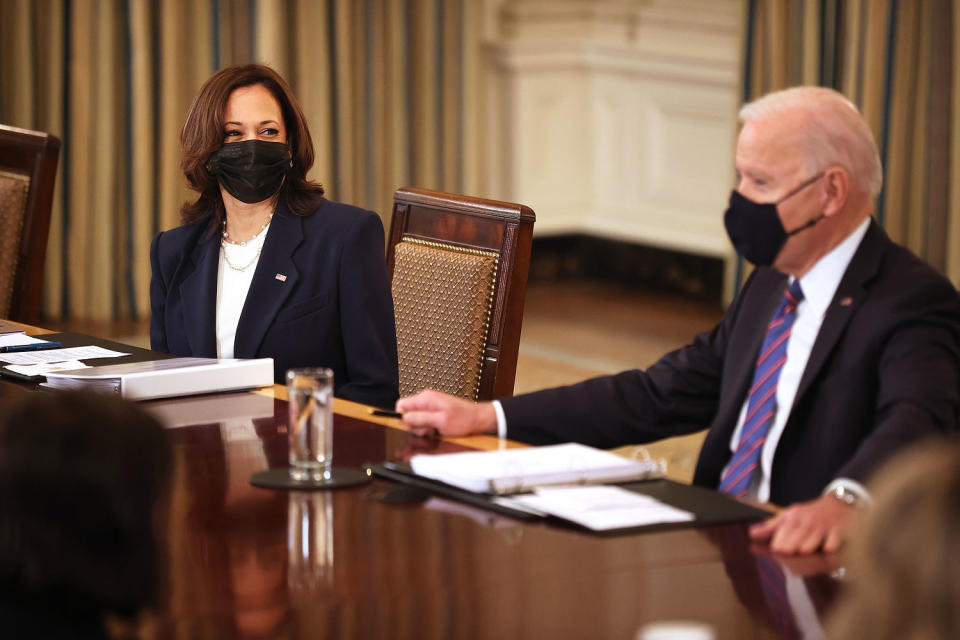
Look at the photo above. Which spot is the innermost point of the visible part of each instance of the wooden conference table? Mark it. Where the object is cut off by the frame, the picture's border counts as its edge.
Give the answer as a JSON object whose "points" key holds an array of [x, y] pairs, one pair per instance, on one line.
{"points": [[376, 562]]}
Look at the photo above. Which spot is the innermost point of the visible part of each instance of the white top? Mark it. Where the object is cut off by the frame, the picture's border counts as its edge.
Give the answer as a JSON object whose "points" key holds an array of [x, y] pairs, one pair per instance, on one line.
{"points": [[234, 275], [819, 286]]}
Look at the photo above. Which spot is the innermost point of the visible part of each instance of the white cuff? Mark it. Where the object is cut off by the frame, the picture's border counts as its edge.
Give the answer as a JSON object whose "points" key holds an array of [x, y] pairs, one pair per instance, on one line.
{"points": [[853, 487], [501, 420]]}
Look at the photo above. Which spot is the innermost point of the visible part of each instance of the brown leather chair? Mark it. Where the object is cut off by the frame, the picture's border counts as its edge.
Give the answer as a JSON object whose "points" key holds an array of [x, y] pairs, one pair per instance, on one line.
{"points": [[458, 269], [28, 171]]}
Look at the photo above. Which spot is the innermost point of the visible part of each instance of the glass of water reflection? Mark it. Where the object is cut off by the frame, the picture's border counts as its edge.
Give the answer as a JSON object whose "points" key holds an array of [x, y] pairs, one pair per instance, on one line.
{"points": [[310, 423]]}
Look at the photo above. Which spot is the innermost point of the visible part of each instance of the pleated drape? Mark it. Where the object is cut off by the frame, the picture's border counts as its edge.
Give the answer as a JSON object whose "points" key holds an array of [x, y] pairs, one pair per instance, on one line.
{"points": [[897, 61], [381, 83]]}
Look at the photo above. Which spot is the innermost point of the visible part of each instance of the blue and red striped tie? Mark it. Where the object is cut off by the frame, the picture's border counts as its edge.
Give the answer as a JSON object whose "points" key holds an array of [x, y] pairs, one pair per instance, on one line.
{"points": [[762, 398]]}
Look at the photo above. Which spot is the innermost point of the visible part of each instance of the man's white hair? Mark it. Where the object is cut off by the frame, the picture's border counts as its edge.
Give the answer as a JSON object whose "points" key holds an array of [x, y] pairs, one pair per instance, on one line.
{"points": [[834, 132]]}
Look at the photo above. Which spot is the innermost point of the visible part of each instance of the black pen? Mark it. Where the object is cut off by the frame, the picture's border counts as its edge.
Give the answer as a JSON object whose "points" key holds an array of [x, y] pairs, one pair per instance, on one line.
{"points": [[386, 413], [36, 346]]}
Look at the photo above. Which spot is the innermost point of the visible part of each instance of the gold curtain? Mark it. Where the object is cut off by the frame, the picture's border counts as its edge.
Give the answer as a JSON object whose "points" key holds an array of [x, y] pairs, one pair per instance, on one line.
{"points": [[379, 81], [895, 60]]}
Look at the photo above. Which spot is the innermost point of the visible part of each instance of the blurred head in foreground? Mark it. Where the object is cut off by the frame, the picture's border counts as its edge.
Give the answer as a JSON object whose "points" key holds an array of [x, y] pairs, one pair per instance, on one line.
{"points": [[906, 561], [81, 476]]}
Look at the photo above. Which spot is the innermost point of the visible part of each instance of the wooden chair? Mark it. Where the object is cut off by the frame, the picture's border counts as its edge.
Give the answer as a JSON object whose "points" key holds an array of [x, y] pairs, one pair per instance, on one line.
{"points": [[28, 171], [458, 269]]}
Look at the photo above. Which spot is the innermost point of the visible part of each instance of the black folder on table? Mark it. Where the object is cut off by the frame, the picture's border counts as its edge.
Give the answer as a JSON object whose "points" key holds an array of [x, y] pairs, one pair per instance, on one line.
{"points": [[708, 507], [69, 339]]}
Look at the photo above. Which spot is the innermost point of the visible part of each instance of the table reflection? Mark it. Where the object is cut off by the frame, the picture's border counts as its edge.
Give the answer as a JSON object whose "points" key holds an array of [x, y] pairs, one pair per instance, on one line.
{"points": [[309, 543], [790, 595]]}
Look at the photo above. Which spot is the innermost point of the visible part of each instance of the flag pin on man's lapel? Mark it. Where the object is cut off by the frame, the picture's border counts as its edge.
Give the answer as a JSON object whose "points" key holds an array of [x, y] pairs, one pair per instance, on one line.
{"points": [[281, 277], [846, 301]]}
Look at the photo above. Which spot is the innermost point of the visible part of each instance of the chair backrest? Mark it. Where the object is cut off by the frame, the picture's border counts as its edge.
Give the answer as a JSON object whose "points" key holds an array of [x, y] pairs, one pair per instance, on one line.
{"points": [[28, 171], [458, 269]]}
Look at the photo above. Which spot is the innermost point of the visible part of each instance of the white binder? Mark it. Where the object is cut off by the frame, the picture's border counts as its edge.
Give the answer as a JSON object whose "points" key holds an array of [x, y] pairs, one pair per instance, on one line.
{"points": [[168, 378]]}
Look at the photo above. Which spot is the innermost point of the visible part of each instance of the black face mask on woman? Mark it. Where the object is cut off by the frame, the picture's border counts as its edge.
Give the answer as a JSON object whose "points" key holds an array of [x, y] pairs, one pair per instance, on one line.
{"points": [[252, 170], [755, 228]]}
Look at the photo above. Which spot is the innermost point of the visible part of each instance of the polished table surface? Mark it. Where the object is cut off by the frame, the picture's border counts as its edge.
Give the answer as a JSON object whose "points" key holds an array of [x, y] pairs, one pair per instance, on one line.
{"points": [[379, 561]]}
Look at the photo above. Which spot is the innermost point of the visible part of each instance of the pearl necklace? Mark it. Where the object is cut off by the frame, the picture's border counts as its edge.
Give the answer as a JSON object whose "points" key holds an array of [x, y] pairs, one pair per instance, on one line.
{"points": [[226, 242], [226, 259], [226, 236]]}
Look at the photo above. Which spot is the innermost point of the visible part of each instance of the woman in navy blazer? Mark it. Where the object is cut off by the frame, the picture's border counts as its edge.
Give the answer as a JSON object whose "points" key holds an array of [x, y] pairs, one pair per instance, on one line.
{"points": [[263, 265]]}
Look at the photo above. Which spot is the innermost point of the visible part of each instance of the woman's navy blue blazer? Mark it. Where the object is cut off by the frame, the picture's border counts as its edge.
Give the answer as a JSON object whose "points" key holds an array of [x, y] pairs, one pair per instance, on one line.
{"points": [[319, 297]]}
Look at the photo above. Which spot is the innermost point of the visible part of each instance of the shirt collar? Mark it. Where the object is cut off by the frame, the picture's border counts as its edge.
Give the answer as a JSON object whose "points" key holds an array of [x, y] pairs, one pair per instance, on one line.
{"points": [[820, 283]]}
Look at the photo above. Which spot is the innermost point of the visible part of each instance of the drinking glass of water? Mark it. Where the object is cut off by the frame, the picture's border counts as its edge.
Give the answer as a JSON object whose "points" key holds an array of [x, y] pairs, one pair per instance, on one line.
{"points": [[310, 423]]}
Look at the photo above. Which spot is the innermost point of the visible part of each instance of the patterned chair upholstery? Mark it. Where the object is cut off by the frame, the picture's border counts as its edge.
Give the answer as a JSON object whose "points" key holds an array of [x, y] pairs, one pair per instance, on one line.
{"points": [[13, 207], [28, 168], [458, 268]]}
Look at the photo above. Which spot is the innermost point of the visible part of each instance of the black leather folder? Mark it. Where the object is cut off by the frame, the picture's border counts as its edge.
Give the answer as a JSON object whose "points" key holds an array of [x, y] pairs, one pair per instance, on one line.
{"points": [[709, 507]]}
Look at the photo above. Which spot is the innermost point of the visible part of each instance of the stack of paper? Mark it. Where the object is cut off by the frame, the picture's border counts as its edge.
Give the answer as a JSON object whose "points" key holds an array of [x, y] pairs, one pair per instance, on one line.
{"points": [[66, 354], [542, 469]]}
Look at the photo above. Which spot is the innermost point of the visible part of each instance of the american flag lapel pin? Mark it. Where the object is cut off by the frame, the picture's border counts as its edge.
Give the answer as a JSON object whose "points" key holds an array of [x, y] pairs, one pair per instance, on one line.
{"points": [[846, 301], [281, 277]]}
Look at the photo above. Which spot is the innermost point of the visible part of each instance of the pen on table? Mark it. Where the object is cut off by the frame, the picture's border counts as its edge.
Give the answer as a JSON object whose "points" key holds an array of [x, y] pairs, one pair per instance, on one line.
{"points": [[37, 346], [385, 413]]}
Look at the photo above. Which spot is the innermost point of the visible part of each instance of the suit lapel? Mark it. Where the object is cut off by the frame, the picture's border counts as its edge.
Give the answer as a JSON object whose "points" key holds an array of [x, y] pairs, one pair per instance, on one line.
{"points": [[850, 294], [198, 297], [275, 277]]}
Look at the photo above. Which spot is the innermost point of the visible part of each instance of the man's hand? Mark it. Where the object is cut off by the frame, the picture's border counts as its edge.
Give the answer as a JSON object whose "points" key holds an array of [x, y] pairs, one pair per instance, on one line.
{"points": [[431, 410], [808, 526]]}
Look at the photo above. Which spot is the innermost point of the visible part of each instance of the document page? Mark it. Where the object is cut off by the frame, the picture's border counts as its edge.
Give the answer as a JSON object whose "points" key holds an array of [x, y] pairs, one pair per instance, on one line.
{"points": [[17, 339], [602, 508], [43, 368], [59, 355]]}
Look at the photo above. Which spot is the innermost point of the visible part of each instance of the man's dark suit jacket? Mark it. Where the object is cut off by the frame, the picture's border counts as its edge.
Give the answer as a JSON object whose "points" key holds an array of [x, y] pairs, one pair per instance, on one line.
{"points": [[319, 297], [884, 371]]}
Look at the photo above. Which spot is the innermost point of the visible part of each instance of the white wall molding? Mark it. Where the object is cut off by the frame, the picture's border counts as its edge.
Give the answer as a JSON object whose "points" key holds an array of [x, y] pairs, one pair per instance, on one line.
{"points": [[618, 117]]}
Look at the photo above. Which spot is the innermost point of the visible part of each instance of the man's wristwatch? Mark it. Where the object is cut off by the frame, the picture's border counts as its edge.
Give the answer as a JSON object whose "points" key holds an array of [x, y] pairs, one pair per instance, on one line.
{"points": [[846, 496]]}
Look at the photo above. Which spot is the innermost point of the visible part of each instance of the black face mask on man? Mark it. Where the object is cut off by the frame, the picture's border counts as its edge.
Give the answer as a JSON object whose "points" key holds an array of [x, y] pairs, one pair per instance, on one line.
{"points": [[755, 228], [252, 170]]}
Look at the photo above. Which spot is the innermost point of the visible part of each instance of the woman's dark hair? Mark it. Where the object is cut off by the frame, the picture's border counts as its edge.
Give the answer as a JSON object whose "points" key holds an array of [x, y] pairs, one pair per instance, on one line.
{"points": [[81, 476], [203, 133]]}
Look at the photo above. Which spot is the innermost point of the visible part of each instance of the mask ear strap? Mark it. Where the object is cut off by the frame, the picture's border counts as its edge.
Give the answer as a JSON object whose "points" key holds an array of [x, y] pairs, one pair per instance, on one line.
{"points": [[801, 187], [807, 225]]}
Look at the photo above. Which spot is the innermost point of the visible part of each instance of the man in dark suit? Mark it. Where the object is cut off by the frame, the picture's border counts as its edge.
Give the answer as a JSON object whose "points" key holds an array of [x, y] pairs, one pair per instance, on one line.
{"points": [[841, 347]]}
